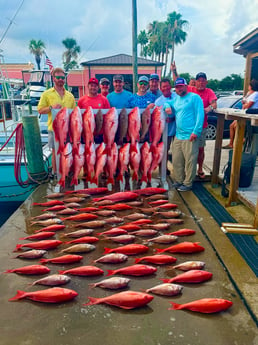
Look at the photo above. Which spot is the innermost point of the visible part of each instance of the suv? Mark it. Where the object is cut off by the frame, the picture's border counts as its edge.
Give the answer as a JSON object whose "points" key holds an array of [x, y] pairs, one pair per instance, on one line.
{"points": [[234, 102]]}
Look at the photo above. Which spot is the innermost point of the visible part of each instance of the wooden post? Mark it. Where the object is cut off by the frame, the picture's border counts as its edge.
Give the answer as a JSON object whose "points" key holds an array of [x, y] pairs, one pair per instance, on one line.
{"points": [[256, 216], [236, 161], [217, 150], [134, 40]]}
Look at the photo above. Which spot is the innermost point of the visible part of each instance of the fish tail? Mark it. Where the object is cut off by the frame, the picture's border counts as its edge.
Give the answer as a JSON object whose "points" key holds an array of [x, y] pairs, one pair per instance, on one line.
{"points": [[18, 247], [107, 250], [175, 306], [62, 182], [36, 203], [43, 261], [22, 238], [135, 176], [95, 180], [153, 148], [165, 280], [91, 286], [92, 301], [133, 148], [20, 294], [96, 199], [158, 250], [8, 271], [74, 181], [110, 272], [111, 180], [75, 150], [149, 176], [61, 272], [144, 178], [120, 177]]}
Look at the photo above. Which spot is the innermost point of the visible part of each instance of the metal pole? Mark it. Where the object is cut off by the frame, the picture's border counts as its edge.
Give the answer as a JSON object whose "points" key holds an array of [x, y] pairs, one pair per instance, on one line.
{"points": [[134, 41]]}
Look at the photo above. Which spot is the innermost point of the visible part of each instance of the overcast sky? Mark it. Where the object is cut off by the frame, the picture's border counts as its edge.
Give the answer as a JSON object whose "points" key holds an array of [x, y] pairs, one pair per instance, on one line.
{"points": [[104, 28]]}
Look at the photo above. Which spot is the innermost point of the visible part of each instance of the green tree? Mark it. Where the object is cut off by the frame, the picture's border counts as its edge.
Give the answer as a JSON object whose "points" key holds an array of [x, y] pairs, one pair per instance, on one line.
{"points": [[37, 48], [213, 84], [70, 56], [142, 40]]}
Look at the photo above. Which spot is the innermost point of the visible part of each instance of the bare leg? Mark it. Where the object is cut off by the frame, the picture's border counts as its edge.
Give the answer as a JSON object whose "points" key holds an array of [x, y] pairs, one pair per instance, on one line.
{"points": [[200, 160], [54, 161]]}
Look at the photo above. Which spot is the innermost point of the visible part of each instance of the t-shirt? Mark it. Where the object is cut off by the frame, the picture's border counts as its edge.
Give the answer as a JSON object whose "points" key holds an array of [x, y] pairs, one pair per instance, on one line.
{"points": [[141, 101], [189, 114], [157, 94], [119, 99], [253, 98], [97, 102], [160, 102], [207, 96], [51, 97]]}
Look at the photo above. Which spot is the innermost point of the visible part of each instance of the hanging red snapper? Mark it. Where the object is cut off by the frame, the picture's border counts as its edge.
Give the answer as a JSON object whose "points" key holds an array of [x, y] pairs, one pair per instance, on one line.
{"points": [[64, 259], [146, 160], [157, 259], [60, 127], [205, 305], [76, 129], [110, 124], [157, 155], [192, 276], [123, 160], [32, 269], [184, 247], [134, 126], [157, 126], [124, 300], [111, 165], [135, 158], [78, 163], [88, 124], [129, 249], [52, 295], [101, 159], [90, 162], [83, 271], [65, 163], [134, 270]]}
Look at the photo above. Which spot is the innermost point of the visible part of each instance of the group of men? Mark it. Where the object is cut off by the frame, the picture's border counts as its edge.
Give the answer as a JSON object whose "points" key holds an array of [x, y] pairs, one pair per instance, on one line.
{"points": [[186, 110]]}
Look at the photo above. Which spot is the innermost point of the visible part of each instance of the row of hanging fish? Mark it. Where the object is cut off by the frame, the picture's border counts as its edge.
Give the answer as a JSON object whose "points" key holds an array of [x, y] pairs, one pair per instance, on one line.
{"points": [[120, 148], [101, 216]]}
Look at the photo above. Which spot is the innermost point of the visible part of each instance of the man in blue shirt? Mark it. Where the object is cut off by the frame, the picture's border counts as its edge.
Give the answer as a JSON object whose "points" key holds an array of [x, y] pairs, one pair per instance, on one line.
{"points": [[154, 85], [142, 98], [189, 113], [119, 97]]}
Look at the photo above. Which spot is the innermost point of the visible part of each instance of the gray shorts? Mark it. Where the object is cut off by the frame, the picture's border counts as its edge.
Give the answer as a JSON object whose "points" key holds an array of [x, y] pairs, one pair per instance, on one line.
{"points": [[202, 138], [51, 142]]}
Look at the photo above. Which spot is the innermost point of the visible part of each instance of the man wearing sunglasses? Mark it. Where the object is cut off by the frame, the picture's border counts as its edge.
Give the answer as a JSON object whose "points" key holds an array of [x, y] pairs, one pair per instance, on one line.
{"points": [[119, 97], [142, 98], [104, 85], [56, 97]]}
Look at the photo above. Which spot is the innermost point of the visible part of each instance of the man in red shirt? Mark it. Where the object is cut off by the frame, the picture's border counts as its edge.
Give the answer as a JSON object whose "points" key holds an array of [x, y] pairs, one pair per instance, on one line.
{"points": [[209, 103], [93, 99]]}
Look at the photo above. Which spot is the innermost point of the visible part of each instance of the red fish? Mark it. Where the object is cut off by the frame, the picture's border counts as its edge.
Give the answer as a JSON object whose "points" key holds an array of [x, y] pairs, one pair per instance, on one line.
{"points": [[53, 227], [158, 202], [101, 159], [110, 124], [184, 247], [32, 269], [55, 208], [49, 203], [150, 191], [119, 196], [123, 160], [130, 227], [124, 300], [113, 232], [76, 129], [45, 245], [78, 163], [60, 127], [157, 156], [81, 216], [88, 124], [112, 163], [66, 161], [134, 270], [168, 206], [142, 221], [117, 207], [156, 127], [52, 295], [129, 249], [192, 276], [146, 160], [204, 305], [135, 158], [90, 162], [157, 259], [84, 239], [39, 236], [182, 232], [88, 209], [91, 191], [134, 126], [83, 271], [64, 259]]}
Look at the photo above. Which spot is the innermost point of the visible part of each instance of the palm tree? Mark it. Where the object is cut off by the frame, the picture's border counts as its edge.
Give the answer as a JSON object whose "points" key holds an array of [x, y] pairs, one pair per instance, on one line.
{"points": [[71, 54], [37, 48], [176, 27], [142, 40]]}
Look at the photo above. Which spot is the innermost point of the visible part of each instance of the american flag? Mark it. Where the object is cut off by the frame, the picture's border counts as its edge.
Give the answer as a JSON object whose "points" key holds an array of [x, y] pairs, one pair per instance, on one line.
{"points": [[49, 64]]}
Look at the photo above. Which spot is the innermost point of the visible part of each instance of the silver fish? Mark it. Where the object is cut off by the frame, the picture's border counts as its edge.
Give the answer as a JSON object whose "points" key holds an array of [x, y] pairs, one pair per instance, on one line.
{"points": [[164, 239], [113, 258], [190, 265], [169, 214], [114, 220], [158, 226], [122, 238], [157, 197], [135, 216], [55, 195], [79, 233], [145, 232], [79, 248], [166, 289], [92, 224], [112, 283], [44, 216], [48, 222], [106, 213], [135, 203], [67, 211], [53, 280], [32, 254]]}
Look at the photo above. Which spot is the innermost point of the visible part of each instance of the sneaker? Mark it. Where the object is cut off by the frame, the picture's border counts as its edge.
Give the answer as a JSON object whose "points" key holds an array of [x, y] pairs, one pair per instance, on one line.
{"points": [[184, 188], [176, 185]]}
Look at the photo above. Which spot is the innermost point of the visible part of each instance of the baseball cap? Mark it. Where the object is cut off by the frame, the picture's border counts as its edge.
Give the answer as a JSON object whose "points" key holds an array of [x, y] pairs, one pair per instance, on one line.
{"points": [[154, 76], [104, 80], [143, 78], [201, 75], [93, 81], [118, 77], [180, 81]]}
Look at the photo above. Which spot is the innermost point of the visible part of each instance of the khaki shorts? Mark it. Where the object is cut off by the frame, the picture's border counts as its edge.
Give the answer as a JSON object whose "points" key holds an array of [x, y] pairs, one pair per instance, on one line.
{"points": [[202, 138]]}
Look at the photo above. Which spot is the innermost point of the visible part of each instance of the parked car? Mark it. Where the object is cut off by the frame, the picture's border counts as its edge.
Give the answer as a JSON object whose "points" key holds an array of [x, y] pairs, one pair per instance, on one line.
{"points": [[222, 102]]}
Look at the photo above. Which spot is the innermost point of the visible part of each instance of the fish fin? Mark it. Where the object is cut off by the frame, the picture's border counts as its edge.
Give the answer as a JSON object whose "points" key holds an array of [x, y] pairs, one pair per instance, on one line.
{"points": [[92, 301], [175, 306], [74, 181], [110, 272], [43, 261], [20, 294], [61, 272], [149, 176], [165, 280], [135, 176], [110, 180], [18, 247], [107, 250], [137, 260]]}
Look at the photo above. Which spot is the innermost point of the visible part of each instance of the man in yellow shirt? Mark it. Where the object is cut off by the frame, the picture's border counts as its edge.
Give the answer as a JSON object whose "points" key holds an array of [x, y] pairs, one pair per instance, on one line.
{"points": [[56, 97]]}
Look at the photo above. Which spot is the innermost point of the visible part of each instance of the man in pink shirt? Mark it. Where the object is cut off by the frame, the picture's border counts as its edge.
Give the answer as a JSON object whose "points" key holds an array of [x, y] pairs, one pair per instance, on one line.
{"points": [[209, 102], [93, 99]]}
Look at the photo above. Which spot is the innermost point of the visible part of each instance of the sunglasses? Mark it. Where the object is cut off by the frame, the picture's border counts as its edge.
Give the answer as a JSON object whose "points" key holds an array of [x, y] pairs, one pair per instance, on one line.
{"points": [[105, 83], [60, 77], [143, 83]]}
